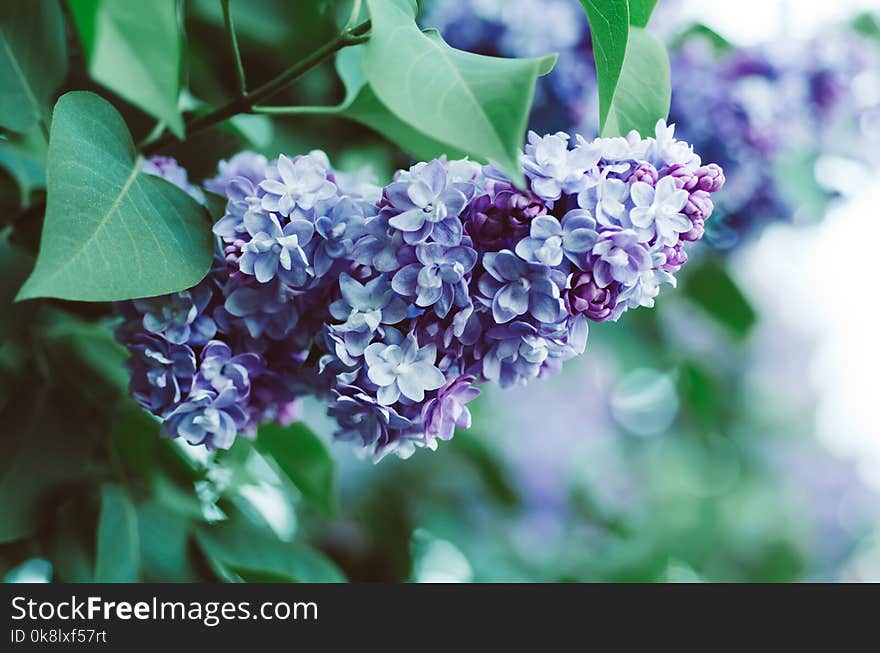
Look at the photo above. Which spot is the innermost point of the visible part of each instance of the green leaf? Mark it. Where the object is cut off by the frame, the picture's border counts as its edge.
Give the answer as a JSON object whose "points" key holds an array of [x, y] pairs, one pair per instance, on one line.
{"points": [[33, 61], [163, 544], [712, 288], [42, 453], [362, 105], [135, 49], [28, 171], [112, 232], [304, 458], [117, 559], [241, 553], [473, 103], [640, 12], [609, 30], [643, 91]]}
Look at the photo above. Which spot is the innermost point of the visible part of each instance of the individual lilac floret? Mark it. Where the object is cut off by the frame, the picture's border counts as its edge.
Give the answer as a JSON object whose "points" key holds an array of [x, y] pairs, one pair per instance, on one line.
{"points": [[264, 309], [179, 317], [274, 250], [657, 211], [220, 370], [161, 372], [447, 411], [550, 240], [607, 198], [241, 199], [502, 215], [514, 287], [364, 307], [170, 170], [586, 297], [405, 370], [303, 183], [207, 418], [383, 246], [438, 278], [363, 419], [555, 169], [428, 205], [620, 257], [248, 165], [516, 354], [338, 230]]}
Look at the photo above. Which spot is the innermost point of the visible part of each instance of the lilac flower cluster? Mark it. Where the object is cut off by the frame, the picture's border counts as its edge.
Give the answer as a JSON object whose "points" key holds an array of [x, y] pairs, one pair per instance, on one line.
{"points": [[392, 304]]}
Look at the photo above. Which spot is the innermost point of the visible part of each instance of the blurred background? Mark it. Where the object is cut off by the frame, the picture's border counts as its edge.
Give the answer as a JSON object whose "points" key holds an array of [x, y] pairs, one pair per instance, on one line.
{"points": [[729, 434]]}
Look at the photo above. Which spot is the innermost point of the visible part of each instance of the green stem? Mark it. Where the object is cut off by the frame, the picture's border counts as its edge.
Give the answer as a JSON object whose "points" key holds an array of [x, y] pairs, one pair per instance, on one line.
{"points": [[294, 110], [246, 102], [233, 42]]}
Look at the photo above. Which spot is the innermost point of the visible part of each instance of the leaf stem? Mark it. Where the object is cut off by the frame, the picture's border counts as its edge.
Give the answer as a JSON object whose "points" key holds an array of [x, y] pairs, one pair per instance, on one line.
{"points": [[233, 43], [246, 102]]}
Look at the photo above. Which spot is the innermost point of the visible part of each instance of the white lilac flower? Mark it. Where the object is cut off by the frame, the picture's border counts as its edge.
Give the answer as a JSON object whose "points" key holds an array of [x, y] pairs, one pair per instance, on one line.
{"points": [[553, 168], [657, 211], [405, 370], [550, 240], [302, 183]]}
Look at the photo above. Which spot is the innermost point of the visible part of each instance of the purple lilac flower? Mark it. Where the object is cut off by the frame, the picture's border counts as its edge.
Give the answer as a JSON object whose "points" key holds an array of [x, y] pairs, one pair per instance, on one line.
{"points": [[427, 204], [392, 308], [338, 230], [364, 309], [621, 257], [170, 170], [220, 370], [437, 279], [447, 411], [248, 165], [502, 216], [161, 372], [513, 287], [585, 296], [274, 250], [179, 317], [207, 418]]}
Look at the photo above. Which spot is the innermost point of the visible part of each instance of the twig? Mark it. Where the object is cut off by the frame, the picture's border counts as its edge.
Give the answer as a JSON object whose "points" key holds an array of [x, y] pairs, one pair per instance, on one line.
{"points": [[245, 103]]}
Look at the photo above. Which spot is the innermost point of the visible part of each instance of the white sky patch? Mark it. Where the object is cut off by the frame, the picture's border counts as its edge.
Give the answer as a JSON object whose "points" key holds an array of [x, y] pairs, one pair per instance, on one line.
{"points": [[749, 22]]}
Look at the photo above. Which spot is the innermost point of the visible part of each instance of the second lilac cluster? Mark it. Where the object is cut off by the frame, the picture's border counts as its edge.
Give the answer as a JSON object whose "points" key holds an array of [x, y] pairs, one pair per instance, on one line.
{"points": [[393, 303]]}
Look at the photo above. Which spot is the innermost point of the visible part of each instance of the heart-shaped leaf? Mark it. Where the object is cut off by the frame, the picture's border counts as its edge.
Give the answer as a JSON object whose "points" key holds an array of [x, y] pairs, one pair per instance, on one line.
{"points": [[33, 61], [609, 30], [111, 231], [362, 105], [476, 104], [643, 91]]}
